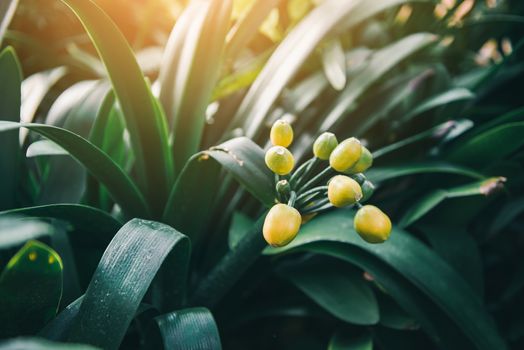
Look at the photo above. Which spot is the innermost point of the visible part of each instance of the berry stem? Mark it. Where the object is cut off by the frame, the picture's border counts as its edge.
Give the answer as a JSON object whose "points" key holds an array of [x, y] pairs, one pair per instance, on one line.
{"points": [[303, 171], [324, 174], [314, 190], [322, 205]]}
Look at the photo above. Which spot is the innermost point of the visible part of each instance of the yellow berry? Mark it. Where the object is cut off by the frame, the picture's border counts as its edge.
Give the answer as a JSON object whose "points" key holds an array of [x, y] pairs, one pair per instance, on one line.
{"points": [[345, 155], [281, 133], [372, 224], [343, 191], [364, 162], [279, 160], [324, 145], [281, 225]]}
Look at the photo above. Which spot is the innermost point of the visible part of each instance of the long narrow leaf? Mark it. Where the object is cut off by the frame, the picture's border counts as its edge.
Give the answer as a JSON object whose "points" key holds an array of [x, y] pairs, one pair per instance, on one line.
{"points": [[137, 253], [146, 127], [7, 11], [97, 163]]}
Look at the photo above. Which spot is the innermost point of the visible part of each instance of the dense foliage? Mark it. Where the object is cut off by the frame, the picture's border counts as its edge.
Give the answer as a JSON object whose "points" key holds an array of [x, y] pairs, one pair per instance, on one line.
{"points": [[134, 186]]}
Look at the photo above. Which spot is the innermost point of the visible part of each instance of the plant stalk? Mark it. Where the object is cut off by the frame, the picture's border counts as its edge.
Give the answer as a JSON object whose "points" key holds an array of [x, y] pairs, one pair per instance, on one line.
{"points": [[230, 268]]}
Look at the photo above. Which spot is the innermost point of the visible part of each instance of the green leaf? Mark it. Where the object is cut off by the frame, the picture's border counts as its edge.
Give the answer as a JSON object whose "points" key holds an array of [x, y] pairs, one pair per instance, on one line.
{"points": [[492, 145], [147, 128], [45, 148], [97, 163], [247, 26], [189, 329], [507, 214], [343, 341], [30, 343], [334, 64], [431, 200], [463, 255], [381, 62], [287, 59], [400, 264], [240, 226], [381, 174], [194, 64], [10, 95], [447, 97], [15, 231], [338, 289], [96, 224], [30, 289], [454, 128], [191, 197], [139, 251], [7, 11]]}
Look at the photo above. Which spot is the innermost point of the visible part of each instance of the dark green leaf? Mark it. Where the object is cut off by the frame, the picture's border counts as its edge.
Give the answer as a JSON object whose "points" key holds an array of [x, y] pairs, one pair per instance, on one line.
{"points": [[240, 226], [343, 341], [491, 145], [190, 199], [124, 274], [97, 163], [30, 289], [408, 258], [40, 344], [340, 290], [189, 329], [381, 174], [431, 200], [10, 95]]}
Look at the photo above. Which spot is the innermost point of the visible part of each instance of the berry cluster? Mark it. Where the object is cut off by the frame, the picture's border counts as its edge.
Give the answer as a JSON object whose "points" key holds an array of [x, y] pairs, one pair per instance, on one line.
{"points": [[310, 190]]}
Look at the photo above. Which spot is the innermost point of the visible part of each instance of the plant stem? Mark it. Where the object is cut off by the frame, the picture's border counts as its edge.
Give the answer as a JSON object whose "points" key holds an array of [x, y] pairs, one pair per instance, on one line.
{"points": [[303, 171], [320, 176], [230, 268], [314, 190]]}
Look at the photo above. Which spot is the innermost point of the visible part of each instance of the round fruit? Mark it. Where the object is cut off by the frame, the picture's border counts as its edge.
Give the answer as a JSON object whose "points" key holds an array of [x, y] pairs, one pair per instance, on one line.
{"points": [[281, 133], [279, 160], [364, 162], [343, 191], [281, 225], [324, 145], [345, 155], [372, 224]]}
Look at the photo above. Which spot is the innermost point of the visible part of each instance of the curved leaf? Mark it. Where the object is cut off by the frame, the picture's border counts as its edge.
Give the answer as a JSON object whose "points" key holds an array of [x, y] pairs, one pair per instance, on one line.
{"points": [[7, 11], [404, 257], [192, 196], [194, 65], [15, 231], [340, 290], [147, 128], [31, 343], [10, 99], [97, 163], [334, 64], [124, 274], [189, 329], [30, 289], [45, 148], [380, 174], [342, 341], [430, 201]]}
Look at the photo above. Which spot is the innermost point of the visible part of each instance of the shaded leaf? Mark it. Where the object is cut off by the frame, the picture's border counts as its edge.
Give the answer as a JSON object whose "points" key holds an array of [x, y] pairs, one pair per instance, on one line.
{"points": [[97, 163], [30, 289], [45, 148], [380, 174], [430, 201], [240, 225], [124, 274], [30, 343], [343, 341], [189, 329]]}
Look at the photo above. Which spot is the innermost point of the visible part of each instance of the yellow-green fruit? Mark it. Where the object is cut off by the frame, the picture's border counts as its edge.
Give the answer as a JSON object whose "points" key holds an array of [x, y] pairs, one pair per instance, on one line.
{"points": [[345, 155], [343, 191], [279, 160], [281, 225], [324, 145], [372, 224], [364, 162], [281, 133]]}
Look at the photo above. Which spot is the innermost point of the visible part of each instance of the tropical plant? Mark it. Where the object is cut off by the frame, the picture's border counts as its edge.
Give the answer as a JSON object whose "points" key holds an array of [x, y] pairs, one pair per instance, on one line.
{"points": [[136, 221]]}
